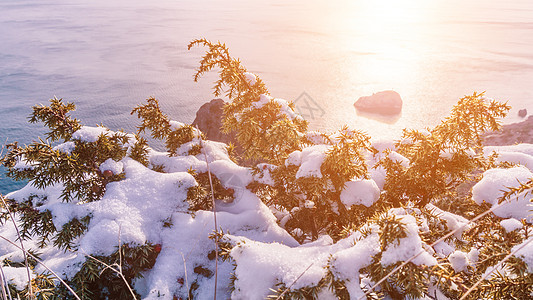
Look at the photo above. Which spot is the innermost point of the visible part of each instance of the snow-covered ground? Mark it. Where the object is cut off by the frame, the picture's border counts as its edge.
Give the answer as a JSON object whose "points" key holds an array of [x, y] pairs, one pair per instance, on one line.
{"points": [[135, 210]]}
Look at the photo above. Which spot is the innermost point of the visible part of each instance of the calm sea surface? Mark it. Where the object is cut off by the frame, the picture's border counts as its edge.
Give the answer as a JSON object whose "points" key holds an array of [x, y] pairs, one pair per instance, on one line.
{"points": [[108, 56]]}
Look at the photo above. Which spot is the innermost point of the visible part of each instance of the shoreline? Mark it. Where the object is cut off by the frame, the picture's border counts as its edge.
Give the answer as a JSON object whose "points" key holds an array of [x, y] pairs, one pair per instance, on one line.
{"points": [[511, 134]]}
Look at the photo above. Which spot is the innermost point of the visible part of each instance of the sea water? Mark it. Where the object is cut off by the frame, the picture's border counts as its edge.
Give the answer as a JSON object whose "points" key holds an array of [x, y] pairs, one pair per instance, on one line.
{"points": [[108, 56]]}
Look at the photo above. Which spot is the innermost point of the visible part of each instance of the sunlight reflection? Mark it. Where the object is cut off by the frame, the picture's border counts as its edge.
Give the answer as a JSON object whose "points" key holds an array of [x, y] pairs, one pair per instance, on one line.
{"points": [[382, 28], [387, 48]]}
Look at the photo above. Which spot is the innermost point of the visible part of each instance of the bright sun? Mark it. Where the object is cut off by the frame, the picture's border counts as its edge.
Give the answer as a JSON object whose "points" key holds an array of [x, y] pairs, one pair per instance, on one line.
{"points": [[381, 29]]}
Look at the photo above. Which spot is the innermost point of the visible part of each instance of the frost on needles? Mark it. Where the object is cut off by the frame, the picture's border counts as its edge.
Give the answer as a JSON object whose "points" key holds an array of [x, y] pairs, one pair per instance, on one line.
{"points": [[301, 214]]}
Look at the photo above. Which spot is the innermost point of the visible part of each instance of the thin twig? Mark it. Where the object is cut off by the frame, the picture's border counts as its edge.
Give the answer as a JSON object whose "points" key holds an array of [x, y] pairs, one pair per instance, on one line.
{"points": [[214, 211], [114, 270], [119, 265], [45, 266], [119, 249], [186, 280], [495, 268], [30, 287], [4, 284]]}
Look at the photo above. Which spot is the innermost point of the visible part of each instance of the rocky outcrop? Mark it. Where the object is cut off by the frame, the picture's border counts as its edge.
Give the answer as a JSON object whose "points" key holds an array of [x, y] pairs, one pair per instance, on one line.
{"points": [[385, 103], [510, 134], [209, 121]]}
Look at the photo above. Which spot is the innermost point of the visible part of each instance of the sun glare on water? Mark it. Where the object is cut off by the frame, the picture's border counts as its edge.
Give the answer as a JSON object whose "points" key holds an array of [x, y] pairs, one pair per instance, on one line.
{"points": [[382, 31]]}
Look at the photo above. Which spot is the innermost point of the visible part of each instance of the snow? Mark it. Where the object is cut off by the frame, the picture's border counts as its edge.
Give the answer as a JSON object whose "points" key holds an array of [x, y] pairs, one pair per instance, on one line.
{"points": [[494, 271], [518, 148], [8, 250], [316, 137], [310, 160], [397, 157], [347, 262], [408, 246], [264, 176], [453, 221], [511, 224], [278, 263], [66, 147], [179, 255], [443, 249], [22, 164], [175, 125], [309, 204], [473, 256], [250, 78], [365, 192], [524, 251], [300, 266], [17, 276], [283, 104], [458, 260], [491, 188], [49, 195], [137, 210], [379, 175], [89, 134], [111, 165], [519, 154]]}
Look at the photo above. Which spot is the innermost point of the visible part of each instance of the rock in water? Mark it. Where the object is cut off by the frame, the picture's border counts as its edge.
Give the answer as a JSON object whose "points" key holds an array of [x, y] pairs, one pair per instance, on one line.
{"points": [[209, 121], [385, 102], [522, 113]]}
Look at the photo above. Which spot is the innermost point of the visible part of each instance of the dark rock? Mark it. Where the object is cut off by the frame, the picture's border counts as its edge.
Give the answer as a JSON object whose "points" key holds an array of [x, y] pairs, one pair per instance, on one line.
{"points": [[209, 121], [385, 103], [522, 113], [510, 134]]}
